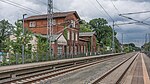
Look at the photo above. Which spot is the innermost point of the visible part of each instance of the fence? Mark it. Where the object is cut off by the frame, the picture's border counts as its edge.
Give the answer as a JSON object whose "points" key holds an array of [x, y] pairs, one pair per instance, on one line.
{"points": [[15, 59]]}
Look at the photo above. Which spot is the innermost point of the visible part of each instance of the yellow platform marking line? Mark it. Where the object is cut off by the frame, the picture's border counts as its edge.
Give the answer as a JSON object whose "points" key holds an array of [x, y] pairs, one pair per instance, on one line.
{"points": [[145, 73]]}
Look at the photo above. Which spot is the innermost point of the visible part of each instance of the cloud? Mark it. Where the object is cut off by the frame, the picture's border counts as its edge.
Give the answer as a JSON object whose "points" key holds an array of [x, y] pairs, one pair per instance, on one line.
{"points": [[133, 0]]}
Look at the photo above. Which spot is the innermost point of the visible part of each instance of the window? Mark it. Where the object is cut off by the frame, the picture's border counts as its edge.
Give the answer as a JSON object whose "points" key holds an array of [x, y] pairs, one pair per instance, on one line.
{"points": [[68, 35], [67, 50], [60, 49], [75, 51], [76, 36], [84, 49], [72, 35], [72, 24], [32, 24]]}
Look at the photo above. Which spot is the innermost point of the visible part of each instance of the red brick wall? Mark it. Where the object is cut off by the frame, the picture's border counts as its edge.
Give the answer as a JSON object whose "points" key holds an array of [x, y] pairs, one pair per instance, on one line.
{"points": [[41, 28], [93, 42]]}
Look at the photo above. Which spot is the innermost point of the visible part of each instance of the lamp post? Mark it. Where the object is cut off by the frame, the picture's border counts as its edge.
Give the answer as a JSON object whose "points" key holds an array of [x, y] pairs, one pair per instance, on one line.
{"points": [[23, 43], [113, 39], [122, 44]]}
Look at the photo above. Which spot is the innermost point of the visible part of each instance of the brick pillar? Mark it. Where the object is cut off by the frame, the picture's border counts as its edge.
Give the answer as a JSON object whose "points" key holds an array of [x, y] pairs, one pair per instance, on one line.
{"points": [[55, 45]]}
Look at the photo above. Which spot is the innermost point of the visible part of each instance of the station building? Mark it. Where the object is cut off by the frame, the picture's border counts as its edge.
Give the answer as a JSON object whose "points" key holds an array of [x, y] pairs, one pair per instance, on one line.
{"points": [[66, 39]]}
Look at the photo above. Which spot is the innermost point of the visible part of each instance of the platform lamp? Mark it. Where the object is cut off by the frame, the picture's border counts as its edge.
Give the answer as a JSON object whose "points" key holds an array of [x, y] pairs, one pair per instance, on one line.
{"points": [[23, 36]]}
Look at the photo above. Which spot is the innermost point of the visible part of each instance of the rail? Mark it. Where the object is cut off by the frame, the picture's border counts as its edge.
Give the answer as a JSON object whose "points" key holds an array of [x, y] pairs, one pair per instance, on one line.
{"points": [[96, 81], [18, 71]]}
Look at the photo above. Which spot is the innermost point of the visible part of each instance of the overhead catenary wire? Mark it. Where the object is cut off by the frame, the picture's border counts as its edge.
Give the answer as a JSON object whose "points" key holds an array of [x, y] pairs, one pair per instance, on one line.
{"points": [[92, 7], [115, 6], [124, 23], [136, 13], [134, 20], [122, 18], [117, 13], [97, 8], [44, 3], [104, 10], [24, 6], [146, 19], [20, 6], [113, 39]]}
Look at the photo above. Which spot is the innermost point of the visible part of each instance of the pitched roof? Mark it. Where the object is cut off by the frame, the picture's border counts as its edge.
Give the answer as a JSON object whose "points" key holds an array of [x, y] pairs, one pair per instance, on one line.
{"points": [[86, 33], [55, 15], [55, 36]]}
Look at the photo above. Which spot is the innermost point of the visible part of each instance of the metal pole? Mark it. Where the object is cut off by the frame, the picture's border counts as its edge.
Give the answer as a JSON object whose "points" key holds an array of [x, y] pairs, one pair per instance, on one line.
{"points": [[50, 23], [122, 43], [146, 38], [113, 42], [23, 43], [149, 37]]}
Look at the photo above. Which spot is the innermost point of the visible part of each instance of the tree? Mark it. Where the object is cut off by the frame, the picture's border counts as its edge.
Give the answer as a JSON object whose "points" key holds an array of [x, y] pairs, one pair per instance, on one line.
{"points": [[42, 48], [104, 33], [146, 47], [15, 46], [130, 47], [5, 30], [84, 26]]}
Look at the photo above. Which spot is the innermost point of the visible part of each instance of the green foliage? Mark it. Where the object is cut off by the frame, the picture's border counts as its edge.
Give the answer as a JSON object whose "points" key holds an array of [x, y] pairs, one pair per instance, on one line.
{"points": [[15, 46], [65, 33], [5, 30], [42, 48], [84, 26], [103, 33], [130, 47], [102, 29], [146, 47], [117, 46]]}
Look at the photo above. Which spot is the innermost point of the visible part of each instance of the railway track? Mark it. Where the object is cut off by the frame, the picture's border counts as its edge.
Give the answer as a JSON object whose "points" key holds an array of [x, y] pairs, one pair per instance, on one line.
{"points": [[44, 76], [115, 75]]}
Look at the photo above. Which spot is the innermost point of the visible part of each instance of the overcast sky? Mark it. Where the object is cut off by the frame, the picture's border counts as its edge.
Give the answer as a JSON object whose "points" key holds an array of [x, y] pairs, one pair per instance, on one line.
{"points": [[87, 10]]}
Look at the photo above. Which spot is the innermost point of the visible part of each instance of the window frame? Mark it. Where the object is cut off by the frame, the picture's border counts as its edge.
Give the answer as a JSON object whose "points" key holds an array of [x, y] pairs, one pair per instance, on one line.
{"points": [[32, 24]]}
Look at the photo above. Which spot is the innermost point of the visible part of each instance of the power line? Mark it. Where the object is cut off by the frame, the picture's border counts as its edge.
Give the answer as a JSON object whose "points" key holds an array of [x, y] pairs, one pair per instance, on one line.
{"points": [[90, 3], [135, 13], [20, 6], [125, 23], [24, 6], [134, 19], [138, 13], [104, 10], [46, 5], [117, 13], [146, 19], [113, 39], [116, 9], [115, 6], [96, 8]]}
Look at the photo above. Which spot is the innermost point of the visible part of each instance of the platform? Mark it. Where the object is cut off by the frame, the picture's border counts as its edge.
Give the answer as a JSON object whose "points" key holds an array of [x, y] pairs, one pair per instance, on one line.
{"points": [[39, 64], [139, 71]]}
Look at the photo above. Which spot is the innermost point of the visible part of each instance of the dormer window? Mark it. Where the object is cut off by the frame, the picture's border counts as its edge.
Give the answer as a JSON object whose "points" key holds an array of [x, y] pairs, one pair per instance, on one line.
{"points": [[72, 25], [32, 24]]}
